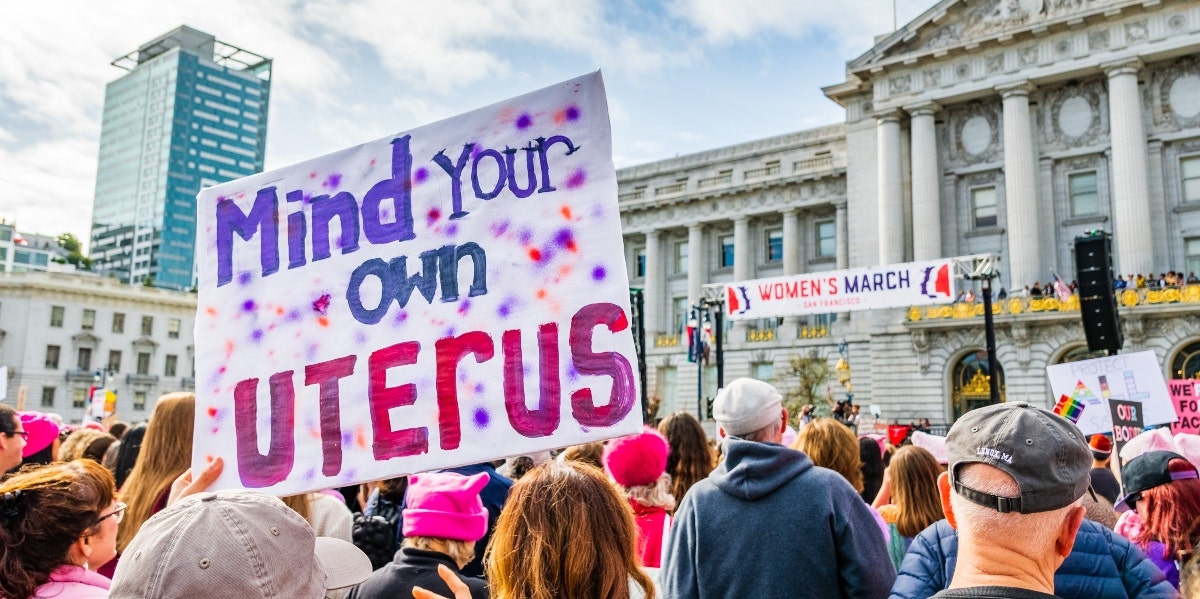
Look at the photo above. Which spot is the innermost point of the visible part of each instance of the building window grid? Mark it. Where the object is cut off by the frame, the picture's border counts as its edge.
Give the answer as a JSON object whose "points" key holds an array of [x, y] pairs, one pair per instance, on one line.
{"points": [[639, 262], [143, 363], [727, 251], [681, 257], [173, 326], [170, 365], [56, 316], [1189, 177], [48, 397], [1083, 193], [118, 322], [826, 239], [147, 325], [89, 319], [52, 354], [139, 400], [1191, 248], [679, 316], [983, 207], [83, 359], [774, 245], [114, 361], [78, 397]]}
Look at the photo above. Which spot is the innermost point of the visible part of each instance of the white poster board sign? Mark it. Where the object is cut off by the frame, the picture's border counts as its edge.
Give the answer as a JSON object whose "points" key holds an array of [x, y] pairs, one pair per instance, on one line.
{"points": [[873, 288], [1081, 390], [444, 296]]}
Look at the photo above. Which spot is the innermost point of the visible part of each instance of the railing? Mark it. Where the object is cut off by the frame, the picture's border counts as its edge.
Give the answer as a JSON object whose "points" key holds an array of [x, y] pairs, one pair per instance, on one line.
{"points": [[668, 340], [721, 179], [812, 164], [1129, 298], [667, 189], [187, 382], [766, 171], [145, 379], [760, 335], [636, 194], [813, 332]]}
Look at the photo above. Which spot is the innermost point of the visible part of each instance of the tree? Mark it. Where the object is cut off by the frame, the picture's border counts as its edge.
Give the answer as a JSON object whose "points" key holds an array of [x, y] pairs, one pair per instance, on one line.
{"points": [[807, 376], [74, 249]]}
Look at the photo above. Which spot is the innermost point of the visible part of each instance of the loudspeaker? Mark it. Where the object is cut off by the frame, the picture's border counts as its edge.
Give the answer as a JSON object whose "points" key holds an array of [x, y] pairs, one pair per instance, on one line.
{"points": [[1097, 300]]}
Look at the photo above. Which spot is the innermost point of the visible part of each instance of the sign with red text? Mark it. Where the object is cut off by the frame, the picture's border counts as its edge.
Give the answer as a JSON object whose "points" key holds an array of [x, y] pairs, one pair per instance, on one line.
{"points": [[445, 296], [874, 288], [1185, 396], [1083, 390]]}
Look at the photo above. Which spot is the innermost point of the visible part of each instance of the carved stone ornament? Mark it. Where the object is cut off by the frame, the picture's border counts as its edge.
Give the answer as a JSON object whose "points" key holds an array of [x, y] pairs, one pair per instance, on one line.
{"points": [[1098, 40], [974, 134], [1019, 331], [1175, 95], [920, 343], [1073, 116]]}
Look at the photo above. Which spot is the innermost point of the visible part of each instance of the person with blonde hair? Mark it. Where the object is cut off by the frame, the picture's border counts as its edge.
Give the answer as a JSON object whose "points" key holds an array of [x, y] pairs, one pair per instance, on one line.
{"points": [[85, 443], [691, 458], [830, 444], [56, 522], [564, 532], [165, 454], [915, 503]]}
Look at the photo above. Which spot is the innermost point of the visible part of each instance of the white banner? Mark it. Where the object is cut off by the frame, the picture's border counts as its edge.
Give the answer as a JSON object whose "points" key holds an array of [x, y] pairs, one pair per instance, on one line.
{"points": [[445, 296], [1082, 390], [877, 287]]}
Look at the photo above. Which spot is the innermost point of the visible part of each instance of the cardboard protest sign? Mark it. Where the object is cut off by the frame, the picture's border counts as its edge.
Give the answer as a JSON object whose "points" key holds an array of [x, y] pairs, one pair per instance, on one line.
{"points": [[1127, 422], [104, 403], [444, 296], [1083, 389], [873, 288], [1186, 398]]}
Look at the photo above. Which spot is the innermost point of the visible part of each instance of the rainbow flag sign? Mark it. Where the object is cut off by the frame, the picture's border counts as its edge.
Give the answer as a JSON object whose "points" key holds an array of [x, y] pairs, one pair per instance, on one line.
{"points": [[1069, 408]]}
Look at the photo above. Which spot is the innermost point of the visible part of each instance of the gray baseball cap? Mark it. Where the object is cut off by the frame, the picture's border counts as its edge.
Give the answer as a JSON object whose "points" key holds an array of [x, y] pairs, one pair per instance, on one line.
{"points": [[1044, 453], [240, 544]]}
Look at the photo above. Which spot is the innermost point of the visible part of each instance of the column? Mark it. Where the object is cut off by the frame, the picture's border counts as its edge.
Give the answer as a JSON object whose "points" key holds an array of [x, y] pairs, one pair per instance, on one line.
{"points": [[926, 198], [792, 241], [741, 268], [1020, 188], [842, 227], [1131, 190], [695, 261], [652, 288], [891, 193]]}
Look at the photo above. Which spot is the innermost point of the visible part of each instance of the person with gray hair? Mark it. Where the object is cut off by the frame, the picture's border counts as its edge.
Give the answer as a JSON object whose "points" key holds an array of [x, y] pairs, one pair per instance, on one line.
{"points": [[1016, 476], [767, 522]]}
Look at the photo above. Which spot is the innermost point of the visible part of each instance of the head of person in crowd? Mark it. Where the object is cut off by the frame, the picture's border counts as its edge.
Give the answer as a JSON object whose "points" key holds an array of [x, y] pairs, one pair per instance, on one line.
{"points": [[535, 551], [1013, 488], [165, 453], [1164, 488], [41, 438], [1101, 447], [914, 473], [691, 457], [871, 456], [85, 443], [127, 453], [934, 444], [585, 453], [638, 464], [12, 439], [750, 410], [830, 444], [56, 521], [118, 428], [444, 514], [241, 544]]}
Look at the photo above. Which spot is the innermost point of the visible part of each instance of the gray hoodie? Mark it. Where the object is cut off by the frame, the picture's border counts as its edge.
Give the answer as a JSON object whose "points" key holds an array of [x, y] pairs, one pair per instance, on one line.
{"points": [[767, 523]]}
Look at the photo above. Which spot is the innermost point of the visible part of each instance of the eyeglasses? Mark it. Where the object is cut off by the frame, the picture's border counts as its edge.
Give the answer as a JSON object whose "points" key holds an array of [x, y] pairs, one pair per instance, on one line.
{"points": [[22, 433], [117, 514]]}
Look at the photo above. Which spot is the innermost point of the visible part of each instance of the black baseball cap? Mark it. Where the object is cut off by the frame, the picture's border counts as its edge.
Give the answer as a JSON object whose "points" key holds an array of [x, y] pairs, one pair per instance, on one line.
{"points": [[1046, 455], [1152, 469]]}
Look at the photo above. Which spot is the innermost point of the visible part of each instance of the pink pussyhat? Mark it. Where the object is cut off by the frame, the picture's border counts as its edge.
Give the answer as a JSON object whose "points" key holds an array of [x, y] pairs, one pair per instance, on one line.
{"points": [[1158, 439], [445, 505], [1189, 447], [42, 432]]}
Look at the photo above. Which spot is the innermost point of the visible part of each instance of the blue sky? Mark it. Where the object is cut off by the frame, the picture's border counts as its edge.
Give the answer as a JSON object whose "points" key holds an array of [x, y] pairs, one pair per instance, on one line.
{"points": [[682, 75]]}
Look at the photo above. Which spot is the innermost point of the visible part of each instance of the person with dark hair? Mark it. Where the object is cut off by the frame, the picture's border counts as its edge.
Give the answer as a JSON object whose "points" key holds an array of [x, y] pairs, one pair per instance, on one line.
{"points": [[127, 453], [12, 439], [1104, 482], [118, 429], [55, 523], [42, 435], [690, 458]]}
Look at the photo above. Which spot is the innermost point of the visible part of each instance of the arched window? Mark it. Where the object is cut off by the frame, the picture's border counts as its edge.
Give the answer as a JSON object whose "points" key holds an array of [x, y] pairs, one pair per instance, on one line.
{"points": [[1076, 354], [1186, 363], [971, 383]]}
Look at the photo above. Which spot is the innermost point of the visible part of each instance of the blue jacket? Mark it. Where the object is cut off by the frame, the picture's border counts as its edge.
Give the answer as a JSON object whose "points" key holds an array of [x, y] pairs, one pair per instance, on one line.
{"points": [[768, 524], [1102, 565]]}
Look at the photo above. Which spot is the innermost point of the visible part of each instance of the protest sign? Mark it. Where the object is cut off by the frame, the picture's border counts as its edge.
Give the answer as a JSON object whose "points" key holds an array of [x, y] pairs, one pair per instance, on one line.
{"points": [[1186, 399], [445, 296], [873, 288], [1127, 422], [104, 403], [1082, 389]]}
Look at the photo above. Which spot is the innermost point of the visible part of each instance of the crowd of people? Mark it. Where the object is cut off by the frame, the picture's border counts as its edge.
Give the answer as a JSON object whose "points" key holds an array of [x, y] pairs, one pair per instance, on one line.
{"points": [[1013, 502]]}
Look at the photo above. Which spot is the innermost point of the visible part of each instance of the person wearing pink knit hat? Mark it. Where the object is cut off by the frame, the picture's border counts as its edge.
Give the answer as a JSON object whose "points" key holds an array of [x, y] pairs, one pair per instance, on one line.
{"points": [[41, 439], [638, 464], [443, 518]]}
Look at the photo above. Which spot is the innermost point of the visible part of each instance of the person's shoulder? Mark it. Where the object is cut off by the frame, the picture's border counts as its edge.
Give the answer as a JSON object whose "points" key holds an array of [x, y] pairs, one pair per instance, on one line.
{"points": [[991, 593]]}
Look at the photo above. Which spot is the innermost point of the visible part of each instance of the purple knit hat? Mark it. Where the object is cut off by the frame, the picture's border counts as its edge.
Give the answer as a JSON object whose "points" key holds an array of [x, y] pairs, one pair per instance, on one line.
{"points": [[445, 505]]}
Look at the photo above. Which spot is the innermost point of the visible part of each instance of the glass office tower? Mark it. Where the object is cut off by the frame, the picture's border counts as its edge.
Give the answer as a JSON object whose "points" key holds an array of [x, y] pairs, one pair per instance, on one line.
{"points": [[191, 113]]}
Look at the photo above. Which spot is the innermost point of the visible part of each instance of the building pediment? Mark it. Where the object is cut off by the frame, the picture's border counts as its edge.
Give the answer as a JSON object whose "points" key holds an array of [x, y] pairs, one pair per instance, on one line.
{"points": [[967, 24], [144, 343], [85, 339]]}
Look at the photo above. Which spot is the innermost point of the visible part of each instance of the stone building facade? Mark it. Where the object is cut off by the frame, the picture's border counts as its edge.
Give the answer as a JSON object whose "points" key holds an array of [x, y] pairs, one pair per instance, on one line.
{"points": [[61, 334], [1006, 127]]}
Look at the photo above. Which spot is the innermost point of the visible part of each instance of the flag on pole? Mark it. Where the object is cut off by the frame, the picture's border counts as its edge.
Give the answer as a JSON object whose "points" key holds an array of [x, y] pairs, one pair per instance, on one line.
{"points": [[690, 335], [1060, 288]]}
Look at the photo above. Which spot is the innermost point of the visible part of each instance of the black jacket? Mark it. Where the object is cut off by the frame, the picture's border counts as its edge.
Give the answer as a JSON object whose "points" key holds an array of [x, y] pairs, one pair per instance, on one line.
{"points": [[412, 568]]}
